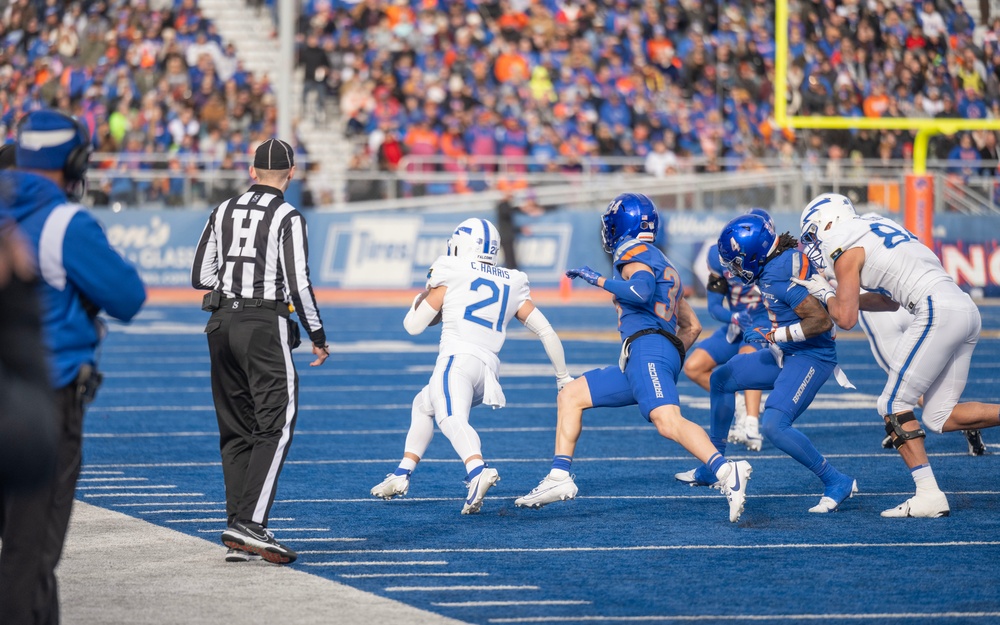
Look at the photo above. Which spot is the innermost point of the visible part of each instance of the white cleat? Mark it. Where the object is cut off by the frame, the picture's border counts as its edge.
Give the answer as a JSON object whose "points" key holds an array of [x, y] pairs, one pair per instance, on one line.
{"points": [[734, 486], [392, 486], [477, 489], [737, 429], [690, 478], [926, 506], [549, 490], [751, 433], [829, 504]]}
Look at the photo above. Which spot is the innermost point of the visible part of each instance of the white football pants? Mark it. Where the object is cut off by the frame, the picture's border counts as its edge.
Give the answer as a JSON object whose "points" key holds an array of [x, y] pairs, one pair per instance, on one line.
{"points": [[933, 356]]}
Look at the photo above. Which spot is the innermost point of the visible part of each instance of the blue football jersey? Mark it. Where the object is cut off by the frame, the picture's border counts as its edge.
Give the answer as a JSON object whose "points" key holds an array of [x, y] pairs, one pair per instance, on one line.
{"points": [[781, 296], [741, 296], [661, 310]]}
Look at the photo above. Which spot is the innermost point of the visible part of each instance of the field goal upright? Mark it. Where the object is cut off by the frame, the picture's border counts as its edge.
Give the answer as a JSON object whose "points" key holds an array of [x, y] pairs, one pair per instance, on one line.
{"points": [[919, 196]]}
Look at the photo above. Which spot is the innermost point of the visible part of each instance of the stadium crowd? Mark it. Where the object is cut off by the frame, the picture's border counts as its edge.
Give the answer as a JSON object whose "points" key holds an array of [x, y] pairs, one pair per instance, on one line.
{"points": [[545, 85], [153, 81], [551, 85]]}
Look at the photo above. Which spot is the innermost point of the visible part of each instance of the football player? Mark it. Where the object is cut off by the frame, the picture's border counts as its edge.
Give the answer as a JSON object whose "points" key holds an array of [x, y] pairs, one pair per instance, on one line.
{"points": [[657, 326], [933, 356], [800, 357], [738, 307], [474, 300]]}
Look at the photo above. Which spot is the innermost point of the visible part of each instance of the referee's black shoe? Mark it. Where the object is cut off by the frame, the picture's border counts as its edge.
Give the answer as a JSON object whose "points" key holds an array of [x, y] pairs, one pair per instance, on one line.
{"points": [[255, 538]]}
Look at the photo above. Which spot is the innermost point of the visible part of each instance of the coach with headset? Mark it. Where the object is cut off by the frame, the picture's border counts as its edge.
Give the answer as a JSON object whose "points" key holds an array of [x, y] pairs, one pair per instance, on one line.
{"points": [[253, 259], [81, 275]]}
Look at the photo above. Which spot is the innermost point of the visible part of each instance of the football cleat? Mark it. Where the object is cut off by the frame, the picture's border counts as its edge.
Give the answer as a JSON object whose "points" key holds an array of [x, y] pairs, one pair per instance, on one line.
{"points": [[976, 445], [751, 434], [392, 486], [477, 489], [835, 495], [734, 486], [693, 478], [549, 490], [930, 505]]}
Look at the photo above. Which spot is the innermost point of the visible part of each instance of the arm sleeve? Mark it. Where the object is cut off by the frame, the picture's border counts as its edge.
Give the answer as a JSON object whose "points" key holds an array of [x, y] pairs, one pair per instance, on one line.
{"points": [[99, 272], [294, 256], [417, 319], [638, 289], [717, 309], [205, 270], [537, 323]]}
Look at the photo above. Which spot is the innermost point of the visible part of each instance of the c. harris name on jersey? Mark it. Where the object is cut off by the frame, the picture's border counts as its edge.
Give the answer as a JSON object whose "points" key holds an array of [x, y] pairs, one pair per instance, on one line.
{"points": [[499, 272]]}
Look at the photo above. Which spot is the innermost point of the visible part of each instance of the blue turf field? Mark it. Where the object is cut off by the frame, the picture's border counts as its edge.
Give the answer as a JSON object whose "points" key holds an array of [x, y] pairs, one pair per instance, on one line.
{"points": [[634, 546]]}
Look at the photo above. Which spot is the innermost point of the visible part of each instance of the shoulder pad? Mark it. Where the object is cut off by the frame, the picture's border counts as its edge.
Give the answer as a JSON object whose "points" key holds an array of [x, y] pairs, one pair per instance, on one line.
{"points": [[629, 249]]}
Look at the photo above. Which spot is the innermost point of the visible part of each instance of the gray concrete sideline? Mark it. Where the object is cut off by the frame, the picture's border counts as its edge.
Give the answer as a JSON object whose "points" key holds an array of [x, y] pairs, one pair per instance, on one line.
{"points": [[120, 570]]}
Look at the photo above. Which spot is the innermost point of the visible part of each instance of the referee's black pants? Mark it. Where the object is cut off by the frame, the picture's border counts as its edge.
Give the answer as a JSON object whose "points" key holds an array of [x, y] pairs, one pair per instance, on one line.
{"points": [[255, 388]]}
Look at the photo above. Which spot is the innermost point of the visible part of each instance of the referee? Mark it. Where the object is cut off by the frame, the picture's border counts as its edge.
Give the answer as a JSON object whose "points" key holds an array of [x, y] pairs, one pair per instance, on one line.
{"points": [[252, 257]]}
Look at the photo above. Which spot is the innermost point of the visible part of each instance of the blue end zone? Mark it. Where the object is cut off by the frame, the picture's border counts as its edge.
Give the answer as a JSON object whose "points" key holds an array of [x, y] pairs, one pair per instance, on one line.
{"points": [[635, 543]]}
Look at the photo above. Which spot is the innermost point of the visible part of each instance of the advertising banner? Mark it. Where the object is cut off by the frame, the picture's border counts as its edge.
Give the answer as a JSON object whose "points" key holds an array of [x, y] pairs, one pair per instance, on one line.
{"points": [[394, 250]]}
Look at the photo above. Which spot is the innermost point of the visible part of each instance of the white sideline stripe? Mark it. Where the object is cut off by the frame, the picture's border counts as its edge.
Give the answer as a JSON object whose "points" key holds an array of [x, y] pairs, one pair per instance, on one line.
{"points": [[86, 472], [89, 495], [172, 503], [377, 575], [280, 529], [745, 617], [710, 494], [685, 458], [440, 588], [325, 407], [119, 486], [381, 563], [516, 430], [321, 540], [183, 511], [490, 604], [976, 543], [112, 479], [211, 520]]}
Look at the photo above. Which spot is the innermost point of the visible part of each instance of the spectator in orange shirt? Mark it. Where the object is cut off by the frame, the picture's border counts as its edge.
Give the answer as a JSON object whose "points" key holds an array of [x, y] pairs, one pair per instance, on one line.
{"points": [[510, 65], [877, 102]]}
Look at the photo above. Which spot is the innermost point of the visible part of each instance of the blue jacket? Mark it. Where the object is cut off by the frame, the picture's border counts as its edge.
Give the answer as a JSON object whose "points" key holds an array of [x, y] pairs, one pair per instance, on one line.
{"points": [[80, 272]]}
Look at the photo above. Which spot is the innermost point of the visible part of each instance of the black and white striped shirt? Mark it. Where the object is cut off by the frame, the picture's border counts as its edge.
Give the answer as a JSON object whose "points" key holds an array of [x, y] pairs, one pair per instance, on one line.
{"points": [[255, 246]]}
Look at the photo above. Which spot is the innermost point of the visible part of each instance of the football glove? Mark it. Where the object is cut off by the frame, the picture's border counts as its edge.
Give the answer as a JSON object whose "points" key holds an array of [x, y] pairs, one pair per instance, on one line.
{"points": [[818, 286], [563, 381], [585, 273]]}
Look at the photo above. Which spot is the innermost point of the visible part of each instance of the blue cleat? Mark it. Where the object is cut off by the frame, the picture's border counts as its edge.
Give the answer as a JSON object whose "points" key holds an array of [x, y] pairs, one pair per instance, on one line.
{"points": [[843, 489]]}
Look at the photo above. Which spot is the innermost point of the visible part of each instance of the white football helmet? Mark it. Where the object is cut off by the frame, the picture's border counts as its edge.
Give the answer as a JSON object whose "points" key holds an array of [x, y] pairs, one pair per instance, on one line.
{"points": [[820, 215], [475, 238]]}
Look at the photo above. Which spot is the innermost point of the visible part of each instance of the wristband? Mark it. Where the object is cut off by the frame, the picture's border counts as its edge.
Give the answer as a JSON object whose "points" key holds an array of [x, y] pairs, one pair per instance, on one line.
{"points": [[788, 334]]}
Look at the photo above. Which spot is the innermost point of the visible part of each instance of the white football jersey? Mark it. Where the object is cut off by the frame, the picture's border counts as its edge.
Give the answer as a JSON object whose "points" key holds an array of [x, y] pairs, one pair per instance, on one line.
{"points": [[480, 301], [897, 264]]}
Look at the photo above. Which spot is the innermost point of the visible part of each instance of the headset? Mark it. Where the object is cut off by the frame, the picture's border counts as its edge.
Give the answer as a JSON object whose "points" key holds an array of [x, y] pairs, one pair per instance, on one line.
{"points": [[74, 167]]}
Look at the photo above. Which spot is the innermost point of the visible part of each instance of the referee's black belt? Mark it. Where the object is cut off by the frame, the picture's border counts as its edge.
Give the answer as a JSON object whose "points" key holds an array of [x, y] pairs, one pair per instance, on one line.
{"points": [[235, 304], [670, 337]]}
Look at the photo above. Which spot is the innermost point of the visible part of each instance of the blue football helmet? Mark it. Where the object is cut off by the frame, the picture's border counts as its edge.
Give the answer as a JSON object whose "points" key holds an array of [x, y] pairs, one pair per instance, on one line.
{"points": [[762, 213], [745, 244], [629, 215]]}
